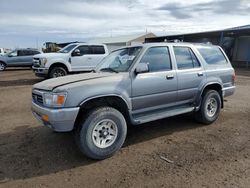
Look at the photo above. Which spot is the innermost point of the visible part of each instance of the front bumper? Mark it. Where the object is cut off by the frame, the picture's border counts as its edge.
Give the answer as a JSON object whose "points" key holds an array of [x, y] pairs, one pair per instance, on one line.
{"points": [[40, 71], [60, 120]]}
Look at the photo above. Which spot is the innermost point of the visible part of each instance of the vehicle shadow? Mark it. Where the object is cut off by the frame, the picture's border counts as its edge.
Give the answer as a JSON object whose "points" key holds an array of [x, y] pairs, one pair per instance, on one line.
{"points": [[17, 68], [20, 82], [30, 152], [242, 72]]}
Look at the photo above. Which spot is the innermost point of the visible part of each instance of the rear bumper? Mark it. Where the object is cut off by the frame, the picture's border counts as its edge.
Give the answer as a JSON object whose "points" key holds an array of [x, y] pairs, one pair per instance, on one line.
{"points": [[40, 71], [228, 91], [60, 120]]}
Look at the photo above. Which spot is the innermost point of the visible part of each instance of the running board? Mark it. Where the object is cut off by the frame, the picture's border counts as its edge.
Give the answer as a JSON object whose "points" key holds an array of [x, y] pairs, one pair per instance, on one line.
{"points": [[162, 114]]}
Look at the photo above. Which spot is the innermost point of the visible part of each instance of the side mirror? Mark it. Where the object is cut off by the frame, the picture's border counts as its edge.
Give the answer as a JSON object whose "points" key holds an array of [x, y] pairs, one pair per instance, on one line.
{"points": [[141, 68], [76, 52], [9, 55]]}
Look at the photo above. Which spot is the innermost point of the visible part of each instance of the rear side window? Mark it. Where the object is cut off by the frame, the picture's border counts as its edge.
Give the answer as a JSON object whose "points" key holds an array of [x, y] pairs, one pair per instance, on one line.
{"points": [[157, 58], [97, 49], [212, 55], [185, 58]]}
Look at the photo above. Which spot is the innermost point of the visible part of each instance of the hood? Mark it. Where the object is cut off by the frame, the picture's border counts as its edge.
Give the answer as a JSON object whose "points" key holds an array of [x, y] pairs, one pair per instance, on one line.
{"points": [[53, 83], [51, 55]]}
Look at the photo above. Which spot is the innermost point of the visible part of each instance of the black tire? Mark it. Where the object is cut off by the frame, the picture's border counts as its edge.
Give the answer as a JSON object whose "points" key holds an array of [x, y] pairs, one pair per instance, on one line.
{"points": [[2, 66], [57, 72], [205, 115], [85, 133]]}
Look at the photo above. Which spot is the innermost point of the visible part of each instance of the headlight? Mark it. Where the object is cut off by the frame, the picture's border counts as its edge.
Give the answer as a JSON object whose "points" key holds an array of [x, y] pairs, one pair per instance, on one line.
{"points": [[54, 99], [43, 61]]}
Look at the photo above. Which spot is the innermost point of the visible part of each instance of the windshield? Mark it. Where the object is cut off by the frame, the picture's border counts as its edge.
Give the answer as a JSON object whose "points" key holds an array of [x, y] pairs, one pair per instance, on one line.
{"points": [[67, 48], [119, 60]]}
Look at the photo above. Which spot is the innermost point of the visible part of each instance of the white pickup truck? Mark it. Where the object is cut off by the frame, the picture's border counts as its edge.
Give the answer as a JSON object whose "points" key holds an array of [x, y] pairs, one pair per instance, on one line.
{"points": [[76, 57]]}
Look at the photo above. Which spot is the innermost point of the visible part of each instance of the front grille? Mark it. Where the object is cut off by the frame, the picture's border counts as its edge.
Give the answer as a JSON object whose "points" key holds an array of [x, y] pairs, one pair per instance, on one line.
{"points": [[36, 62], [37, 98]]}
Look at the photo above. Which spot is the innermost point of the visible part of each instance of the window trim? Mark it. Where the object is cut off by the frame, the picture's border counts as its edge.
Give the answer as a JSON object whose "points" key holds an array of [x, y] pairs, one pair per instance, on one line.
{"points": [[189, 49], [170, 59]]}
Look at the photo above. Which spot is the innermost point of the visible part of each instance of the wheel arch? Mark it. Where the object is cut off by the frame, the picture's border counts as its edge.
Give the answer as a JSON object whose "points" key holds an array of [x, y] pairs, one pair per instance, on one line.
{"points": [[115, 101], [1, 61], [58, 64], [211, 86]]}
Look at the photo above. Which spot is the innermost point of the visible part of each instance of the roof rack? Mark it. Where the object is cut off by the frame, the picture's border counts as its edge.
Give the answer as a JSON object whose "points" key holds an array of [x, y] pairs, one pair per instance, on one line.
{"points": [[173, 40]]}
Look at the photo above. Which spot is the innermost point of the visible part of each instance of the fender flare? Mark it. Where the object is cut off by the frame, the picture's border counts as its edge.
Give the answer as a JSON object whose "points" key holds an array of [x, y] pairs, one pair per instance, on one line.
{"points": [[199, 97]]}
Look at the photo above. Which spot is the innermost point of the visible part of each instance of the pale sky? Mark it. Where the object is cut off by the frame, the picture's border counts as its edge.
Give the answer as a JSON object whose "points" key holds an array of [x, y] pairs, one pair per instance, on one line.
{"points": [[26, 23]]}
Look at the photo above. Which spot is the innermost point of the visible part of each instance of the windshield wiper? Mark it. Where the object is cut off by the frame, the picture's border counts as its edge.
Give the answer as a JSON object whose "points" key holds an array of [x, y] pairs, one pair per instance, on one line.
{"points": [[109, 69]]}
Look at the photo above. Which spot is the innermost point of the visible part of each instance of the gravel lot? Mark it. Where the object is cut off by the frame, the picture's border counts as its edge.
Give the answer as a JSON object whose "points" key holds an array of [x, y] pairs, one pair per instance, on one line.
{"points": [[203, 156]]}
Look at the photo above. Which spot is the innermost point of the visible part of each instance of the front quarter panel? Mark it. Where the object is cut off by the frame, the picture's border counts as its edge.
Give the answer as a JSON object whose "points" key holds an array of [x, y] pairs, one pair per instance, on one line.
{"points": [[80, 92], [63, 60]]}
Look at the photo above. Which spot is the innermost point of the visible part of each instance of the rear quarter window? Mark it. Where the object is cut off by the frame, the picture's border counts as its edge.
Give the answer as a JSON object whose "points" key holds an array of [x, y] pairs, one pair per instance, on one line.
{"points": [[212, 55]]}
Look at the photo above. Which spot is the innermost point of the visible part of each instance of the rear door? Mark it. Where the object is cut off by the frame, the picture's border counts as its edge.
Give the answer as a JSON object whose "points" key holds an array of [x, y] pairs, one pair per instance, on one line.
{"points": [[190, 74], [97, 54], [156, 89]]}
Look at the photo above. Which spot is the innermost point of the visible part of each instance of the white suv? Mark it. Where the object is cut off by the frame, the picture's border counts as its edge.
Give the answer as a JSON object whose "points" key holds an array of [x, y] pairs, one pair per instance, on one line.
{"points": [[76, 57]]}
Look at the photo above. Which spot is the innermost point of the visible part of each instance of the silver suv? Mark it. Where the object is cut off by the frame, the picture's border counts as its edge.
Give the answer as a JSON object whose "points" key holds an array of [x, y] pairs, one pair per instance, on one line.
{"points": [[135, 85], [18, 58]]}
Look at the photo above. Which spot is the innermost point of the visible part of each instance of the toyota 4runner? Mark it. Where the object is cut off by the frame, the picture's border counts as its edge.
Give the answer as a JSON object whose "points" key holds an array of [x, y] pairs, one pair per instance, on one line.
{"points": [[135, 85]]}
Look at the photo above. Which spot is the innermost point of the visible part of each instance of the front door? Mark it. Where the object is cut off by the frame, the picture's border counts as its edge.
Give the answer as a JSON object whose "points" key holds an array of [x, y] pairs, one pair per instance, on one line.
{"points": [[156, 89], [13, 58], [80, 62]]}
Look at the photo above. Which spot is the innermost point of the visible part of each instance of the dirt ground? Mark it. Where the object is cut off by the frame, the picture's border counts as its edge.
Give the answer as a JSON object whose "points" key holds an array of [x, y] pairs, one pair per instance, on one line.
{"points": [[217, 155]]}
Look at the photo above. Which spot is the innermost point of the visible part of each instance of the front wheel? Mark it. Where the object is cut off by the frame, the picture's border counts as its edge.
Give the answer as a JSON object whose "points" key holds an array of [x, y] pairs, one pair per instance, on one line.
{"points": [[210, 107], [57, 72], [102, 133], [2, 66]]}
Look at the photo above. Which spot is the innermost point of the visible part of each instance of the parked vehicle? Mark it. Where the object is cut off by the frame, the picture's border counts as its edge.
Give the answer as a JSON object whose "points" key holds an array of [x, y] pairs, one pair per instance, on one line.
{"points": [[76, 57], [18, 58], [2, 51], [135, 85]]}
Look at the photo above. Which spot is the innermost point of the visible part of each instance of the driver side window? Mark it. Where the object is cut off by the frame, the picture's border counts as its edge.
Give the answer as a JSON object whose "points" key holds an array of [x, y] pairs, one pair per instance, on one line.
{"points": [[83, 50], [13, 54], [157, 58]]}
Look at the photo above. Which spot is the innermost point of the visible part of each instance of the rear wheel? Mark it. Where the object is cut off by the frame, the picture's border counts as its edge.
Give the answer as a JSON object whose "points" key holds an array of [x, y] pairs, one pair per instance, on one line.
{"points": [[57, 72], [210, 107], [102, 133], [2, 66]]}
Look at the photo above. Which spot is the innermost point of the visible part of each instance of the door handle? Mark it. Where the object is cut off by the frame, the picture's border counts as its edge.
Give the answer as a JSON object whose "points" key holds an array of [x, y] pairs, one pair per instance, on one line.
{"points": [[171, 76], [89, 57], [200, 73]]}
